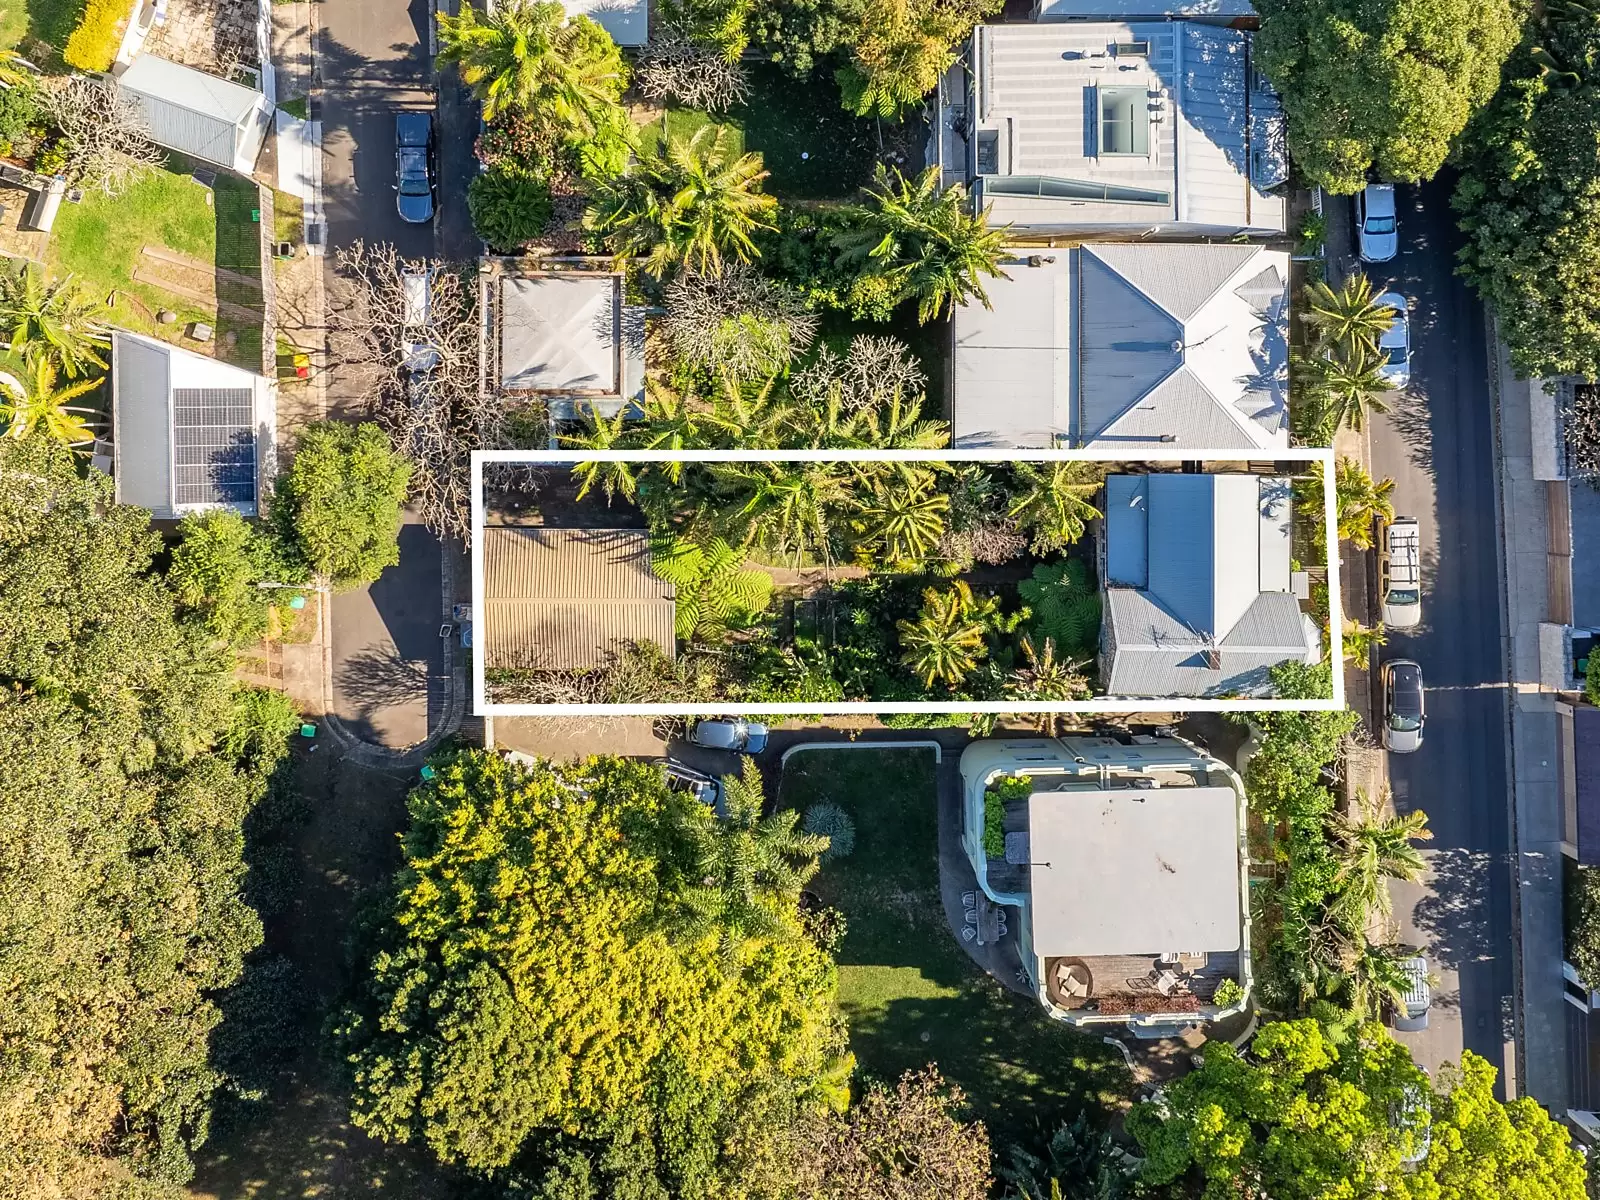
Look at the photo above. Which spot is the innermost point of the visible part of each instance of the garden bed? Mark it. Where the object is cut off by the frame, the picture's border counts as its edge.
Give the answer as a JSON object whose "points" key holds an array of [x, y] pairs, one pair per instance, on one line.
{"points": [[911, 994]]}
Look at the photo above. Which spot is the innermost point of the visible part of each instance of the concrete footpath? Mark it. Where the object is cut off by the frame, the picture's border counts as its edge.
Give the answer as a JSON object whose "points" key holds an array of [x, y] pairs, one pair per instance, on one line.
{"points": [[1523, 535]]}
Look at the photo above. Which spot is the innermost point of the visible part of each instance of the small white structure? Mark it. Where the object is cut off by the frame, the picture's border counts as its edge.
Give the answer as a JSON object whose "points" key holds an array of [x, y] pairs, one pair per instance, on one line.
{"points": [[1066, 129], [210, 119], [627, 21], [190, 433], [571, 337], [1127, 345]]}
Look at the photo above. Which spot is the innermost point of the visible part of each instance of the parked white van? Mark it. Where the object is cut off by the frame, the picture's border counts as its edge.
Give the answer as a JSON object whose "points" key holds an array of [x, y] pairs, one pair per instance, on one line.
{"points": [[1400, 574]]}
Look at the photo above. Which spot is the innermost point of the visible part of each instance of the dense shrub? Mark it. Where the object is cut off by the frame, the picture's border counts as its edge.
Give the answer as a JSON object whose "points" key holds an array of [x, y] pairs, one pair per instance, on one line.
{"points": [[832, 822], [19, 111], [1583, 924], [509, 208], [93, 44]]}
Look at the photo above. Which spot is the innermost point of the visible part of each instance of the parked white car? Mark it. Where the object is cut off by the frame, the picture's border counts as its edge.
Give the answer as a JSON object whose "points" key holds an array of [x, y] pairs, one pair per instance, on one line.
{"points": [[1411, 1015], [1395, 344], [730, 733], [1400, 574], [1404, 709], [1377, 224]]}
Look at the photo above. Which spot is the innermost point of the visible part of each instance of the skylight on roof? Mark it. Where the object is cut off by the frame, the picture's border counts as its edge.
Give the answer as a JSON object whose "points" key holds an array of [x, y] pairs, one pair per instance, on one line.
{"points": [[1124, 121]]}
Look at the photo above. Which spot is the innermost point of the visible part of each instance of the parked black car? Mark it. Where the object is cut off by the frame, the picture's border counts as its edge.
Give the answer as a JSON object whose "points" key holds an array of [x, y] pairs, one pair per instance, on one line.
{"points": [[413, 165]]}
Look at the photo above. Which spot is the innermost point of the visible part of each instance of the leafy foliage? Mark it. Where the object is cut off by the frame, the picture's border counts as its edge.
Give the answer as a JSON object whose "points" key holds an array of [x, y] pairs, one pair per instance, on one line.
{"points": [[1529, 199], [721, 24], [1583, 923], [826, 819], [338, 508], [93, 44], [1381, 87], [536, 977], [899, 50], [216, 565], [946, 641], [692, 203], [1065, 608], [509, 208], [799, 34], [921, 243], [120, 862], [1052, 500], [1079, 1162], [715, 589], [1360, 500], [53, 315], [34, 396], [736, 322]]}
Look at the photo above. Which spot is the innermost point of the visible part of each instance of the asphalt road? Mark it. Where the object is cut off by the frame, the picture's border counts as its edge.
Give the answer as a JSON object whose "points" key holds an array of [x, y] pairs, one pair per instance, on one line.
{"points": [[1437, 445], [373, 59]]}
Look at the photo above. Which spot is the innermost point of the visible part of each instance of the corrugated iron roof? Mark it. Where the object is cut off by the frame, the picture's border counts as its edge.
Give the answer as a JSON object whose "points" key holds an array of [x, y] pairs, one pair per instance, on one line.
{"points": [[560, 598], [212, 119]]}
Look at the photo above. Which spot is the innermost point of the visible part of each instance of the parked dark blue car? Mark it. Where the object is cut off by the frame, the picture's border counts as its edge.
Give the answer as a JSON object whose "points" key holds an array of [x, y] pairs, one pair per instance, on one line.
{"points": [[413, 166]]}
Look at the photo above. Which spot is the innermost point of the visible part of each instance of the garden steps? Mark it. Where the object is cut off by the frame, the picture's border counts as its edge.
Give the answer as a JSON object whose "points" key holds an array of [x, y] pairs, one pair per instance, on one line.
{"points": [[163, 255]]}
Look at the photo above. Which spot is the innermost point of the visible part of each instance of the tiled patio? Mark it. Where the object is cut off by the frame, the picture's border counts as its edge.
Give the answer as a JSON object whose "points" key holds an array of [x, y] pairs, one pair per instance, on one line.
{"points": [[209, 35]]}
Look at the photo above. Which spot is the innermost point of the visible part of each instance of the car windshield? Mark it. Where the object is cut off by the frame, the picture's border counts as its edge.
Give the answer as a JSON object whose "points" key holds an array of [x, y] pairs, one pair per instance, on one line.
{"points": [[1380, 224], [1404, 596], [1404, 724], [1396, 355], [414, 187]]}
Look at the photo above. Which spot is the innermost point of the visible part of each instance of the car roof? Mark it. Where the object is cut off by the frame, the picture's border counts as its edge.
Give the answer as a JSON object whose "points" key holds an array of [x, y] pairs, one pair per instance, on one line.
{"points": [[411, 127], [1405, 679], [1380, 199]]}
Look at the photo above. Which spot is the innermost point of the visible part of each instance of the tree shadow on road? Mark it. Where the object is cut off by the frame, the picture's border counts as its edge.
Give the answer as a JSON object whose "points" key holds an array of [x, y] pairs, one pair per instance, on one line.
{"points": [[1408, 413], [1456, 912], [373, 681]]}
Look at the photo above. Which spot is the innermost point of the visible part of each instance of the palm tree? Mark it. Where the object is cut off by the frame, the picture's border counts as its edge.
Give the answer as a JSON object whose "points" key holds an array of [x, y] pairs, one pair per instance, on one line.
{"points": [[1359, 498], [1376, 979], [1347, 385], [785, 509], [1360, 641], [1351, 315], [33, 396], [901, 521], [1046, 677], [945, 642], [924, 241], [746, 870], [690, 205], [526, 55], [55, 315], [604, 433], [1374, 845], [1053, 501]]}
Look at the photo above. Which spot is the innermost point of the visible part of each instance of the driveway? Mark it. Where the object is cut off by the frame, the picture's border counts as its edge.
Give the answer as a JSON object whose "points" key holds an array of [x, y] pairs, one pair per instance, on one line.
{"points": [[372, 61], [1437, 445]]}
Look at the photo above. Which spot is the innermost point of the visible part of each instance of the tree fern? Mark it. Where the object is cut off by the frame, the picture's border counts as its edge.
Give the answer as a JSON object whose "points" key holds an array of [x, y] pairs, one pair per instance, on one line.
{"points": [[714, 588], [1065, 610]]}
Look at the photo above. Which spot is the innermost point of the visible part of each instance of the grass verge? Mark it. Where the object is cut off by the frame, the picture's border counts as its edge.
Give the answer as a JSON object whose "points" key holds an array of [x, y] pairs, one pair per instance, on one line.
{"points": [[48, 21], [909, 991]]}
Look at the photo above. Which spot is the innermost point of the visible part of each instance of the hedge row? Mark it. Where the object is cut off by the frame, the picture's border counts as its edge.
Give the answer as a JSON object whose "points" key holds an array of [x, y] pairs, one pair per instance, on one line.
{"points": [[94, 43]]}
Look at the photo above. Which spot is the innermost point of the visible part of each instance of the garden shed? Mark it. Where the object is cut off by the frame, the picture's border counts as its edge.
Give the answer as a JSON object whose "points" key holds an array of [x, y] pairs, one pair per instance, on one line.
{"points": [[207, 118]]}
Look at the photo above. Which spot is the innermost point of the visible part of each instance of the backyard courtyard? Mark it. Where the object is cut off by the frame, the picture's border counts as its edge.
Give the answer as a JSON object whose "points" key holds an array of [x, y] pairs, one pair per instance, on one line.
{"points": [[909, 991]]}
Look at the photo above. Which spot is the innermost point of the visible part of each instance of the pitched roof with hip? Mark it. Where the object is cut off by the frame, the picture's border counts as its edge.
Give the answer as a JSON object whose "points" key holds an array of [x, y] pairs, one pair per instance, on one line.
{"points": [[562, 598]]}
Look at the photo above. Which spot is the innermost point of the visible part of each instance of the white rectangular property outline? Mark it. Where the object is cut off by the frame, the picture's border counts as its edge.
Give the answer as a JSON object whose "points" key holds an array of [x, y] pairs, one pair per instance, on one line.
{"points": [[483, 707]]}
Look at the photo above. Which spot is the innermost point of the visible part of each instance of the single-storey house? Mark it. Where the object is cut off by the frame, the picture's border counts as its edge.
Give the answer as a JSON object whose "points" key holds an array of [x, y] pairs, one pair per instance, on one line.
{"points": [[1124, 871], [211, 119], [189, 433], [1079, 129], [570, 598], [571, 338], [1198, 590], [1127, 345]]}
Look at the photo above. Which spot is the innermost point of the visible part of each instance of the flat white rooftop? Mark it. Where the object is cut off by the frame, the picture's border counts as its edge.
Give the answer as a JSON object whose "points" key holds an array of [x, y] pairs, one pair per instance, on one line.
{"points": [[1134, 871]]}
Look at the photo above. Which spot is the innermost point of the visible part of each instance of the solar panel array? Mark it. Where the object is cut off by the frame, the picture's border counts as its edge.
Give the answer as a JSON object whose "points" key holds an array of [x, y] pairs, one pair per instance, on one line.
{"points": [[214, 446]]}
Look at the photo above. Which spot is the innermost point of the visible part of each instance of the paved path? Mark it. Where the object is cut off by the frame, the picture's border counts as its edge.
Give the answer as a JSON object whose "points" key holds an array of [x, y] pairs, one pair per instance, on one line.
{"points": [[1437, 444]]}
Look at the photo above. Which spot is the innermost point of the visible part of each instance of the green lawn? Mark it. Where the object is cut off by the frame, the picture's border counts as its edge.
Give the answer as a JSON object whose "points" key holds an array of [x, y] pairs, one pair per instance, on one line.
{"points": [[684, 123], [813, 147], [49, 21], [100, 239], [910, 992]]}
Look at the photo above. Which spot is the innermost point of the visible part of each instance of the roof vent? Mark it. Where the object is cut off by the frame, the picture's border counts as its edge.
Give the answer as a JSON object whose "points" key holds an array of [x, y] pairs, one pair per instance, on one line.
{"points": [[1039, 260], [1177, 345]]}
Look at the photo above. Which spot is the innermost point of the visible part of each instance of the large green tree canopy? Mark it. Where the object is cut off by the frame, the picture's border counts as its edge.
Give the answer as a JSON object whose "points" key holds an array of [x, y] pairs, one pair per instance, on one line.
{"points": [[1308, 1116], [544, 973], [121, 801], [1381, 85], [1529, 200]]}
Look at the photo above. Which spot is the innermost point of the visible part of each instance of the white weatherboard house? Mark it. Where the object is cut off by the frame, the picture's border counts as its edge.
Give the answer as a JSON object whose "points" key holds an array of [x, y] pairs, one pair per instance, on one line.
{"points": [[1125, 866], [1067, 129], [207, 118], [1198, 589], [190, 433], [1148, 345]]}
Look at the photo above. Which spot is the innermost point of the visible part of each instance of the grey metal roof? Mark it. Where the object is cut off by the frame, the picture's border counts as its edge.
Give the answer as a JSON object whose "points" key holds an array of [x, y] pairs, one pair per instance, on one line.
{"points": [[207, 118], [1197, 575], [1181, 278], [627, 21], [1126, 345], [1035, 109], [1012, 362], [141, 424], [571, 335], [561, 598]]}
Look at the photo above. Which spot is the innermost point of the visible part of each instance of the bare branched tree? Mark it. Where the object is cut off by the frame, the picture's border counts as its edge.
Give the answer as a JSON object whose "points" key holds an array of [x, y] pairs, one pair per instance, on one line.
{"points": [[673, 68], [738, 321], [420, 377], [1581, 420], [104, 134], [871, 371]]}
